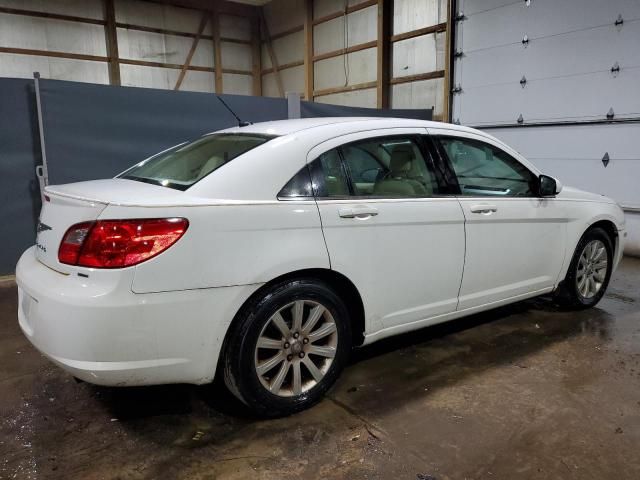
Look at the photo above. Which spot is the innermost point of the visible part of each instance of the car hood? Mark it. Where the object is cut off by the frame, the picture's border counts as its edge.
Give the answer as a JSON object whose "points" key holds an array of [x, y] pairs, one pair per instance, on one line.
{"points": [[571, 193]]}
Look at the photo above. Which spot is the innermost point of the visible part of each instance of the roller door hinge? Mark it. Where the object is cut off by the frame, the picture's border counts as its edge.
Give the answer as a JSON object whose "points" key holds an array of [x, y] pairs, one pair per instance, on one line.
{"points": [[458, 54], [527, 3], [523, 81], [520, 119], [610, 114], [619, 21], [460, 17], [615, 69], [525, 41], [605, 159], [457, 89]]}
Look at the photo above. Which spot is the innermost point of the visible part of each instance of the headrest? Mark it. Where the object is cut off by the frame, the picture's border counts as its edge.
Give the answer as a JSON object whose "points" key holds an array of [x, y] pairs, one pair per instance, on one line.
{"points": [[401, 158]]}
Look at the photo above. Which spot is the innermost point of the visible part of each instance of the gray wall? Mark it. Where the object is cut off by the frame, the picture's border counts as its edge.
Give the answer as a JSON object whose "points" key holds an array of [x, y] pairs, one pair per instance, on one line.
{"points": [[569, 87]]}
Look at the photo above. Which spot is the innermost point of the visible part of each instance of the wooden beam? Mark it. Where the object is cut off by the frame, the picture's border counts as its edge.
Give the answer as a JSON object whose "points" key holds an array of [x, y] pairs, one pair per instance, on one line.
{"points": [[236, 40], [348, 88], [111, 36], [217, 51], [162, 31], [448, 55], [385, 11], [441, 27], [256, 56], [52, 16], [272, 54], [349, 9], [417, 77], [54, 54], [192, 50], [344, 51], [284, 33], [297, 63], [308, 50]]}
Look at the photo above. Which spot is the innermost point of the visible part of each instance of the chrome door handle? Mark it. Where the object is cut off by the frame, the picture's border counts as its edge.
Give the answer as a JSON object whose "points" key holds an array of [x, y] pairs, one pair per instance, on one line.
{"points": [[484, 209], [357, 212]]}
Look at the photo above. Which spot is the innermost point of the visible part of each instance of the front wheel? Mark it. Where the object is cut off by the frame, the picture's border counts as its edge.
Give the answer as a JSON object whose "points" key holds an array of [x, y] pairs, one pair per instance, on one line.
{"points": [[589, 272], [287, 347]]}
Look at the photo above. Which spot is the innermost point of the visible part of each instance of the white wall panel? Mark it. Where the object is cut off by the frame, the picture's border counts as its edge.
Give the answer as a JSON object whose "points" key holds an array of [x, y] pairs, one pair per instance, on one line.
{"points": [[23, 66], [292, 81], [165, 78], [232, 26], [322, 8], [287, 49], [283, 15], [420, 94], [361, 27], [236, 56], [78, 8], [149, 14], [237, 84], [156, 47], [419, 55], [360, 68], [414, 14], [46, 34], [358, 98]]}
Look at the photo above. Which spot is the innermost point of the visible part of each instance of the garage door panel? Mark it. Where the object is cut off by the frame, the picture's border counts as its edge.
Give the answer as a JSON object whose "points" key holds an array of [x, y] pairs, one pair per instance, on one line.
{"points": [[553, 56]]}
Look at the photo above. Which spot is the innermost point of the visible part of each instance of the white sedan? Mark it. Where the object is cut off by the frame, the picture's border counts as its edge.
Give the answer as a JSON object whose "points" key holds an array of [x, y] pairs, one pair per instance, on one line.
{"points": [[266, 252]]}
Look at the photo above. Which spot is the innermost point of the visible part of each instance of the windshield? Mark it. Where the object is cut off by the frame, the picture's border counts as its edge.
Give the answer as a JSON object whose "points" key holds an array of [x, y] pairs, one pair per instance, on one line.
{"points": [[182, 166]]}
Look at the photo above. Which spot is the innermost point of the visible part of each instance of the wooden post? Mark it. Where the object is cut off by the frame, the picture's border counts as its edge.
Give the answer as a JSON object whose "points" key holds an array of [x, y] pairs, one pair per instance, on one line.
{"points": [[192, 50], [308, 50], [217, 51], [272, 54], [384, 52], [256, 53], [111, 35]]}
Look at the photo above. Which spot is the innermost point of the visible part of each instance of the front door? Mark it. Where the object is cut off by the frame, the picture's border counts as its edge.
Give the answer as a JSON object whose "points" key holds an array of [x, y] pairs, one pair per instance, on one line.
{"points": [[386, 226], [515, 240]]}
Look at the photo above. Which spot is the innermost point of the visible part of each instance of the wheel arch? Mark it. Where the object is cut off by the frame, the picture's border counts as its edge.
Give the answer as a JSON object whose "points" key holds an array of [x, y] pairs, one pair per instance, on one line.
{"points": [[609, 227]]}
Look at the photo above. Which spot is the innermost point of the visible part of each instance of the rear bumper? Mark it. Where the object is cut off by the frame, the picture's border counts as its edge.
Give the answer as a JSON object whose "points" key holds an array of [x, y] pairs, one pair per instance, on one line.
{"points": [[98, 330]]}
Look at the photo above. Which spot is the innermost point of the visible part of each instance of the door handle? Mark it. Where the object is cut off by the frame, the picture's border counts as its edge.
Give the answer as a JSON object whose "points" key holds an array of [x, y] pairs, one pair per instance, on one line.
{"points": [[357, 212], [484, 209]]}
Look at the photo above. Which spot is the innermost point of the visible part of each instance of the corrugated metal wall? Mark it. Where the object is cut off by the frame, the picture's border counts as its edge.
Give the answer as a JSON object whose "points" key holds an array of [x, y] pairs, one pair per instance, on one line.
{"points": [[566, 65]]}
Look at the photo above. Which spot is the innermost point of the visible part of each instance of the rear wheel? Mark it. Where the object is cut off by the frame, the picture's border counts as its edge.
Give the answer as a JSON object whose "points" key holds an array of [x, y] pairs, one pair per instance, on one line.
{"points": [[287, 347], [589, 272]]}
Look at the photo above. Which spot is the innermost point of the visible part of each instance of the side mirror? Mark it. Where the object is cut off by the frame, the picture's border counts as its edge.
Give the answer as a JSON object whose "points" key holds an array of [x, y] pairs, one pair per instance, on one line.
{"points": [[548, 186]]}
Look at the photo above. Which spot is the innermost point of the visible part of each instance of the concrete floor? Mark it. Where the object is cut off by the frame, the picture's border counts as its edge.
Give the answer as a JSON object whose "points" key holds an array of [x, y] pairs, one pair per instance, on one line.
{"points": [[520, 392]]}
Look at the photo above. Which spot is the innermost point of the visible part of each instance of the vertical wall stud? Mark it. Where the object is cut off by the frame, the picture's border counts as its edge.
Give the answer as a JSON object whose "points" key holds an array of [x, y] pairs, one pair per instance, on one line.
{"points": [[308, 50], [385, 11], [217, 51], [111, 35]]}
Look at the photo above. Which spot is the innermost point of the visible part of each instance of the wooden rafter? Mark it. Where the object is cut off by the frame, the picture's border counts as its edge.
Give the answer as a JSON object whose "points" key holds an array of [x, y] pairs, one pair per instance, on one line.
{"points": [[272, 54], [192, 50]]}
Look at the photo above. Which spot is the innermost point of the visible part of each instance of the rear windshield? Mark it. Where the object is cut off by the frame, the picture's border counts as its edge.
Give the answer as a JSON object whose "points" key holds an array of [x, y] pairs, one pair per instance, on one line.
{"points": [[182, 166]]}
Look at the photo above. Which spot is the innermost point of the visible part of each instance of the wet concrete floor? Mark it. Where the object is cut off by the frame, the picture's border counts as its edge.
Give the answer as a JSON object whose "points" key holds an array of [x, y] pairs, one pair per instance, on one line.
{"points": [[520, 392]]}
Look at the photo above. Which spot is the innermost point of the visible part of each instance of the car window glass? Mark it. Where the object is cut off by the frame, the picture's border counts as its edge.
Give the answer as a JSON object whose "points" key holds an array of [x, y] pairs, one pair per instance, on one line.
{"points": [[483, 169]]}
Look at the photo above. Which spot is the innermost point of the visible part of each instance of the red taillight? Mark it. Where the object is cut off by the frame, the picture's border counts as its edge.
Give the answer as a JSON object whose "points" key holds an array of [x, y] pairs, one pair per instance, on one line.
{"points": [[119, 243]]}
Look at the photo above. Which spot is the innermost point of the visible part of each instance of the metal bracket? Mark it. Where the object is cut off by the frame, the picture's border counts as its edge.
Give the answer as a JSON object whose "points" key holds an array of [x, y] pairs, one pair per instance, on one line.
{"points": [[615, 69], [460, 17], [619, 21], [458, 54], [610, 114], [42, 171], [525, 40], [527, 3], [520, 119], [605, 159], [457, 89], [523, 81]]}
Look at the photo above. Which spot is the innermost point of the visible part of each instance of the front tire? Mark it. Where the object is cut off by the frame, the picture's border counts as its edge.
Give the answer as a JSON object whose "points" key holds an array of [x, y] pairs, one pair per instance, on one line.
{"points": [[589, 272], [287, 347]]}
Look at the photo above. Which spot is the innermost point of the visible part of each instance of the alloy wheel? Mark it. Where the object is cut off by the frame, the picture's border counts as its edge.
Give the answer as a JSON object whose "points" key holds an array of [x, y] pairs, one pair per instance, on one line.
{"points": [[592, 269]]}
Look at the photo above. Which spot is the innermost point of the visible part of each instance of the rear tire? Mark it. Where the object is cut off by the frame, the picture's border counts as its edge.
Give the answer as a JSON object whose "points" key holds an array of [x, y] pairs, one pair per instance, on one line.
{"points": [[589, 271], [287, 347]]}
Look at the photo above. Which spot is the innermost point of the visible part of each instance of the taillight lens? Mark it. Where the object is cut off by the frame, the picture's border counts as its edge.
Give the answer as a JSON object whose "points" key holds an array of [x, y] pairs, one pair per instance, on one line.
{"points": [[119, 243]]}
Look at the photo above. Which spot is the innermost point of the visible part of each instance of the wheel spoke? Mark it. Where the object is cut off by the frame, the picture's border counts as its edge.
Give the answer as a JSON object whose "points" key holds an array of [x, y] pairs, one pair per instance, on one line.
{"points": [[314, 316], [583, 288], [298, 309], [267, 365], [313, 370], [599, 252], [323, 331], [279, 378], [581, 281], [266, 342], [328, 352], [279, 322], [592, 286], [297, 379], [600, 265], [599, 276]]}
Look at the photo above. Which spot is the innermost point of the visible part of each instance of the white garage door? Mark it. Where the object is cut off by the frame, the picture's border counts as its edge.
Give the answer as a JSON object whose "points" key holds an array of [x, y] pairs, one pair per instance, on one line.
{"points": [[546, 77]]}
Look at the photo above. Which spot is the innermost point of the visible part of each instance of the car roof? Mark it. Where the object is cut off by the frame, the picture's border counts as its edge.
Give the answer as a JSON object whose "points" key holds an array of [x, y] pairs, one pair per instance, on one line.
{"points": [[286, 127]]}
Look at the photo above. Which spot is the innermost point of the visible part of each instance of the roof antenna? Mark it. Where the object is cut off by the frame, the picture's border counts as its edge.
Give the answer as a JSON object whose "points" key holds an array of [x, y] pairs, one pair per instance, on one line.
{"points": [[241, 123]]}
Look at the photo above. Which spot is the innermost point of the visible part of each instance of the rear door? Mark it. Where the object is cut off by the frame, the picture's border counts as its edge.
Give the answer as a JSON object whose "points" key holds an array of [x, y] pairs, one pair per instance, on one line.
{"points": [[388, 226], [515, 240]]}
